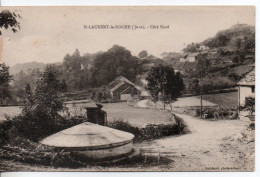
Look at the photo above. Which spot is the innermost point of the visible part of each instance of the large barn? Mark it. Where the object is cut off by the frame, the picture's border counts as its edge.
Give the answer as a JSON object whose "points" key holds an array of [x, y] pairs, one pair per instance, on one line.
{"points": [[122, 89]]}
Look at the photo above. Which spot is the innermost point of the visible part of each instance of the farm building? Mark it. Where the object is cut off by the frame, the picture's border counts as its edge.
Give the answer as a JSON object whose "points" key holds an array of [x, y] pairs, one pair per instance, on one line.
{"points": [[122, 89], [95, 142], [246, 88]]}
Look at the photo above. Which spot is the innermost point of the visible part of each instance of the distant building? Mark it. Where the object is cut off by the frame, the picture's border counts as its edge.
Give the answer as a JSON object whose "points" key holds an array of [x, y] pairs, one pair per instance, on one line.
{"points": [[183, 57], [187, 62], [122, 89], [246, 88], [203, 48], [192, 57]]}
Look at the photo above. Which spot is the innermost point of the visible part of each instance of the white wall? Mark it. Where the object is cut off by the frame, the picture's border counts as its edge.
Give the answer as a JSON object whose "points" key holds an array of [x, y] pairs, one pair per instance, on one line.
{"points": [[191, 59], [125, 96], [245, 92]]}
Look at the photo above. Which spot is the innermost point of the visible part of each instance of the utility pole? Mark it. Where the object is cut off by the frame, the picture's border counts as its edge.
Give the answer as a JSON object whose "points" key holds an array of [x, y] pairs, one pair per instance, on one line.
{"points": [[171, 101], [201, 91]]}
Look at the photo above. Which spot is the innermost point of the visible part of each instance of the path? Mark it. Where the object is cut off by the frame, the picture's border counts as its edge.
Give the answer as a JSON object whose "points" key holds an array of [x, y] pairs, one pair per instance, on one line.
{"points": [[201, 148]]}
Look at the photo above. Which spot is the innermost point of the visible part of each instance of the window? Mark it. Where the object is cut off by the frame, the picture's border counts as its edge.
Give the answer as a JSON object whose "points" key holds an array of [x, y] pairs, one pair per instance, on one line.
{"points": [[253, 89]]}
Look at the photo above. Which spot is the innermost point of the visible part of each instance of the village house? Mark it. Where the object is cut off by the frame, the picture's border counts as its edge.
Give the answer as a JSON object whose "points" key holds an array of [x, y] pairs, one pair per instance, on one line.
{"points": [[192, 57], [246, 88], [187, 63], [183, 57]]}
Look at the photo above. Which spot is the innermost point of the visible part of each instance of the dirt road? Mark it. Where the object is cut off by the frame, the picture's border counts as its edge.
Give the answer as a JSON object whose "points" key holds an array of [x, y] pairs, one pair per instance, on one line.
{"points": [[209, 145]]}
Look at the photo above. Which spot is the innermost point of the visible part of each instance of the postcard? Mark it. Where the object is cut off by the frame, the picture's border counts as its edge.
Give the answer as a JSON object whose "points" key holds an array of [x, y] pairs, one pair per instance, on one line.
{"points": [[127, 88]]}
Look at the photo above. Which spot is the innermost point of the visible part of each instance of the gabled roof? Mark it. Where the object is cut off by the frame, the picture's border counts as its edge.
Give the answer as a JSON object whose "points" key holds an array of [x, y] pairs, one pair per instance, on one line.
{"points": [[119, 81], [117, 86], [193, 54], [183, 55], [248, 80]]}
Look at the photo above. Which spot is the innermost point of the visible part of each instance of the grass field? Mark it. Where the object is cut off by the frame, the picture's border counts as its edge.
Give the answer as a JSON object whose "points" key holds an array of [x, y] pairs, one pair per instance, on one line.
{"points": [[223, 99], [10, 111], [135, 116], [115, 111]]}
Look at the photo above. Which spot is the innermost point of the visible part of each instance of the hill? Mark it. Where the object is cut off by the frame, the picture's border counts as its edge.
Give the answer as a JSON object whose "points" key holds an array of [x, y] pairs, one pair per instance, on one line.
{"points": [[238, 37], [25, 67]]}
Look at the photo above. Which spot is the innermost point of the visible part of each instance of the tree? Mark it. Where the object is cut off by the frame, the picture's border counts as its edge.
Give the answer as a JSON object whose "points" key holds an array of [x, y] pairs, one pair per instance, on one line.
{"points": [[143, 54], [5, 79], [163, 80], [8, 19], [249, 105], [40, 115], [48, 92], [28, 99], [117, 61], [191, 48], [194, 87], [203, 65]]}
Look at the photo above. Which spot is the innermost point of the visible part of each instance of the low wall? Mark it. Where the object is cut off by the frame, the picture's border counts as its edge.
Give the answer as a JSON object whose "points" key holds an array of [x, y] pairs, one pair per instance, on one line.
{"points": [[109, 152]]}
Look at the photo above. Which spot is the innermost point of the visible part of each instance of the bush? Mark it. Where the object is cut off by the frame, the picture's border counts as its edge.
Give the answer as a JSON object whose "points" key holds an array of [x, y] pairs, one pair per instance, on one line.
{"points": [[249, 105], [235, 77], [6, 131], [218, 113], [21, 126], [127, 127], [150, 131], [40, 115], [24, 150]]}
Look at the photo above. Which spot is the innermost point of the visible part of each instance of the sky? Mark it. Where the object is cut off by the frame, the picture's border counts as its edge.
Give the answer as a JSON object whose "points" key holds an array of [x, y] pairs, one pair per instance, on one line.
{"points": [[49, 33]]}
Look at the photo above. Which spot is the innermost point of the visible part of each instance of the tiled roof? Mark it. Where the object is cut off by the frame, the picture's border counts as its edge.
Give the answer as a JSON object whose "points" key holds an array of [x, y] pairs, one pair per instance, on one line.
{"points": [[119, 81], [193, 54], [190, 65]]}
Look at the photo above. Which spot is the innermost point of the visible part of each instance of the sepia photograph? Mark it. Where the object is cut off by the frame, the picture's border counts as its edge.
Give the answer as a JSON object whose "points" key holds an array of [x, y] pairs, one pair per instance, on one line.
{"points": [[127, 88]]}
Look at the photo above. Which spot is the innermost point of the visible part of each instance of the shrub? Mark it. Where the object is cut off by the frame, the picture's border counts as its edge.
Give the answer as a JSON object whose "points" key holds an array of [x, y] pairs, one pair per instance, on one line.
{"points": [[217, 113], [249, 105], [127, 127], [150, 131], [40, 115], [21, 126], [6, 131], [24, 150]]}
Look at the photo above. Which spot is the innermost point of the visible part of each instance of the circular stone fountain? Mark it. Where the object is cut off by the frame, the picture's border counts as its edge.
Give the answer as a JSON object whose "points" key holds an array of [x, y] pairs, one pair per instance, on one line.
{"points": [[93, 141]]}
